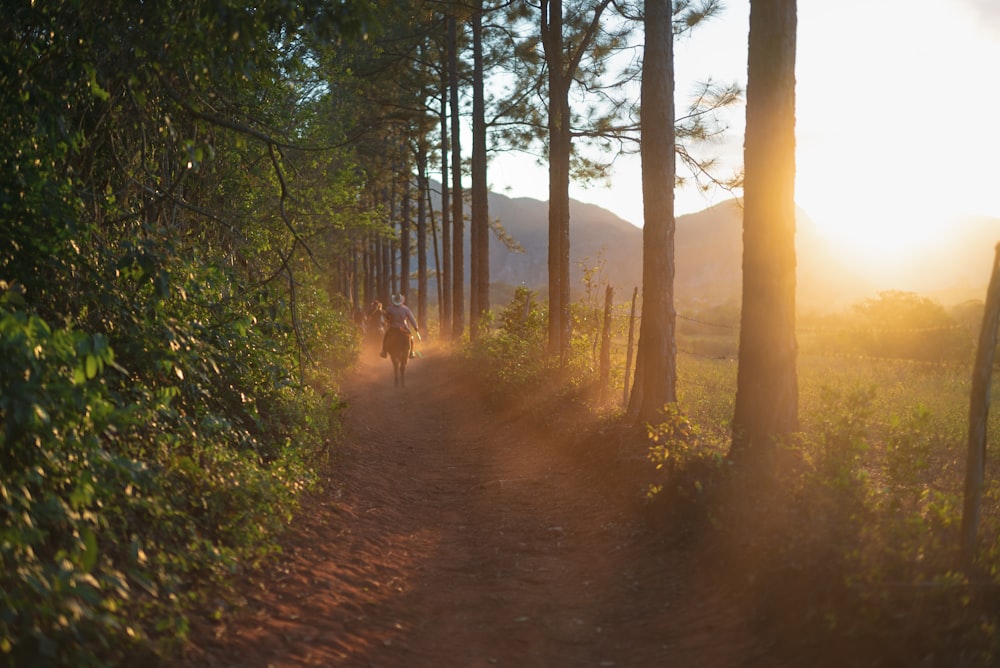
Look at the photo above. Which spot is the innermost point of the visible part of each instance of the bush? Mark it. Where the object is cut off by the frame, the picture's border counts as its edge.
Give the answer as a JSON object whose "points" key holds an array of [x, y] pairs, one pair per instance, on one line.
{"points": [[133, 480], [69, 576], [513, 354]]}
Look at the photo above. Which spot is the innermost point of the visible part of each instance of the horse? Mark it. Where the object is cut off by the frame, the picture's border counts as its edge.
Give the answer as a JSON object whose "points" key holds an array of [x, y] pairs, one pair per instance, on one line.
{"points": [[397, 344], [374, 325]]}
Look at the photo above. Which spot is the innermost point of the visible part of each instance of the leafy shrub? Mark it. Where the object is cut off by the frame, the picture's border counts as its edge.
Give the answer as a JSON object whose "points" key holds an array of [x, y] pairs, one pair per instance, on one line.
{"points": [[895, 325], [513, 354], [137, 477], [68, 577]]}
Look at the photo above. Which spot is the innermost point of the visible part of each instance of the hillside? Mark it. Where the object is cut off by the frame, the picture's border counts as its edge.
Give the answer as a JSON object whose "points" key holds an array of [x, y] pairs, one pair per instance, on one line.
{"points": [[708, 249]]}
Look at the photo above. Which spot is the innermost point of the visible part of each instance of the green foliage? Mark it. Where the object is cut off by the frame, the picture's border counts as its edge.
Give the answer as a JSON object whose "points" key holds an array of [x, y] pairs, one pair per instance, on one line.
{"points": [[894, 325], [163, 313], [674, 439], [133, 475], [691, 460], [513, 350], [856, 518], [62, 587], [513, 353], [861, 511]]}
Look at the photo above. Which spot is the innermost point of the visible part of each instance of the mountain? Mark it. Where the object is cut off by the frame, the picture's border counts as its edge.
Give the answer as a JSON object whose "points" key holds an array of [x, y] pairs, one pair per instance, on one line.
{"points": [[708, 254], [595, 234], [708, 257]]}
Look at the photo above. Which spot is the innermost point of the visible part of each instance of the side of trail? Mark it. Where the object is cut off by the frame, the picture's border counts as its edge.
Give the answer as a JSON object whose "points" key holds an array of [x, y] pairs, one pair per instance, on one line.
{"points": [[451, 533]]}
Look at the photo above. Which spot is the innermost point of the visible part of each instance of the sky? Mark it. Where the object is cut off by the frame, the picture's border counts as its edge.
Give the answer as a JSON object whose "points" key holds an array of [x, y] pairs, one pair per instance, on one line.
{"points": [[897, 119]]}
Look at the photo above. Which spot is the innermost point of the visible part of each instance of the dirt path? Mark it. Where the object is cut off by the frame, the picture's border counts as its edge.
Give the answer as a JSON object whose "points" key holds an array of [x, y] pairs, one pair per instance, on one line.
{"points": [[453, 535]]}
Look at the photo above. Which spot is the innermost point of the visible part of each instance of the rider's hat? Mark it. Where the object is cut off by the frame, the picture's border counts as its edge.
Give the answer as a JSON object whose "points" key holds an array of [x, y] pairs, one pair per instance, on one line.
{"points": [[398, 299]]}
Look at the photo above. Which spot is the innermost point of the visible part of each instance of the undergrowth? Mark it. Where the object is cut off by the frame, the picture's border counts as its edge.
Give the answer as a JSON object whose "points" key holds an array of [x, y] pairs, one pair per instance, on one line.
{"points": [[846, 540], [143, 468]]}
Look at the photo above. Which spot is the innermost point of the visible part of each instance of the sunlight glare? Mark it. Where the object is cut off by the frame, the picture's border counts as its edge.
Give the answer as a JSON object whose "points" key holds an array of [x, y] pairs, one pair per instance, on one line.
{"points": [[879, 168], [882, 215]]}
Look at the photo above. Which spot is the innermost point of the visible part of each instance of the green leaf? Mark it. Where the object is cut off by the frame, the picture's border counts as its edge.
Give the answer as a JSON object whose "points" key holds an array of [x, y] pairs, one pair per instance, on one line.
{"points": [[89, 554]]}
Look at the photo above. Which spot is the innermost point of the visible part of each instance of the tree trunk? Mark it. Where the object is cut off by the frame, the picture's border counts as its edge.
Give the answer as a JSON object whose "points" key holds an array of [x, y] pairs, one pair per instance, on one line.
{"points": [[404, 234], [367, 258], [562, 68], [438, 281], [422, 236], [605, 359], [355, 277], [979, 411], [393, 242], [657, 332], [444, 269], [457, 215], [560, 146], [767, 386], [384, 284], [479, 299], [629, 348]]}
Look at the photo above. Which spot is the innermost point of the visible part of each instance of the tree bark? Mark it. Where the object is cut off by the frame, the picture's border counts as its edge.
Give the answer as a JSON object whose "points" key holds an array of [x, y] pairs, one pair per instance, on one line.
{"points": [[605, 359], [422, 236], [657, 332], [404, 232], [444, 269], [457, 215], [766, 409], [562, 68], [629, 349], [560, 146], [438, 282], [479, 299], [979, 411], [393, 242]]}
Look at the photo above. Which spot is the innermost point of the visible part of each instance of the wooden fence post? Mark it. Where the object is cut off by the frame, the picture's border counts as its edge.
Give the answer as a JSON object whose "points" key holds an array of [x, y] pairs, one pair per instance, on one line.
{"points": [[605, 365], [628, 349], [979, 408]]}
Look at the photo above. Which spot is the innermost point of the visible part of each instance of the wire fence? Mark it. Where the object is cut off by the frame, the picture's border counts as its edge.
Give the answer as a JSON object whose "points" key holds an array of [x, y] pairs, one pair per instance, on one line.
{"points": [[823, 341]]}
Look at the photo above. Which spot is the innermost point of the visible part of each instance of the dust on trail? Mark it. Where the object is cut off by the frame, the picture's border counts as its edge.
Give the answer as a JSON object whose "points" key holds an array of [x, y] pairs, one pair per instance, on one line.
{"points": [[453, 534]]}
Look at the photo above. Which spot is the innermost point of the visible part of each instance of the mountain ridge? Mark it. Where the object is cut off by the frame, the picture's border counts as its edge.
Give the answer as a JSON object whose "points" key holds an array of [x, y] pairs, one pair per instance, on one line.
{"points": [[708, 256]]}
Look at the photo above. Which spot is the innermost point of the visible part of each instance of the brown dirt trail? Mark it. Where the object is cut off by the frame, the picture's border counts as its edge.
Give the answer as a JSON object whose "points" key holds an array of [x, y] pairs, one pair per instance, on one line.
{"points": [[452, 534]]}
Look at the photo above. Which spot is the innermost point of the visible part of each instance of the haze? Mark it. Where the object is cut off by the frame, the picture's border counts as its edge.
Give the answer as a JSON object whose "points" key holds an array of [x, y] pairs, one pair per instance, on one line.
{"points": [[896, 130]]}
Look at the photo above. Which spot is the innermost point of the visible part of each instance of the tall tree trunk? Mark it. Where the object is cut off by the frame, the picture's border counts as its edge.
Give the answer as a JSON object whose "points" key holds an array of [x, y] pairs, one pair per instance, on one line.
{"points": [[479, 301], [562, 68], [657, 332], [560, 146], [393, 242], [979, 413], [457, 215], [767, 385], [384, 286], [437, 258], [444, 269], [605, 358], [422, 236], [404, 234], [371, 287], [356, 275], [628, 349]]}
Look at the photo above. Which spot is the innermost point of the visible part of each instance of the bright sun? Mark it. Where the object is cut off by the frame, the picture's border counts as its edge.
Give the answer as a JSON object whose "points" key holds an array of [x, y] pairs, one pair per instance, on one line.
{"points": [[880, 215], [880, 168]]}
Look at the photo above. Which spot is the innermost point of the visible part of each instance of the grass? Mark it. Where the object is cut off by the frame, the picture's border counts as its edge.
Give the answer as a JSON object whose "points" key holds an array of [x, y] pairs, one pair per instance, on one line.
{"points": [[868, 510], [855, 543]]}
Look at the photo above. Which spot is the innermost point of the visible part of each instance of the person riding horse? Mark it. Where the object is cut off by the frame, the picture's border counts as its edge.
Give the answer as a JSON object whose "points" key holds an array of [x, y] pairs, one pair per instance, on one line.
{"points": [[374, 324], [399, 317]]}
